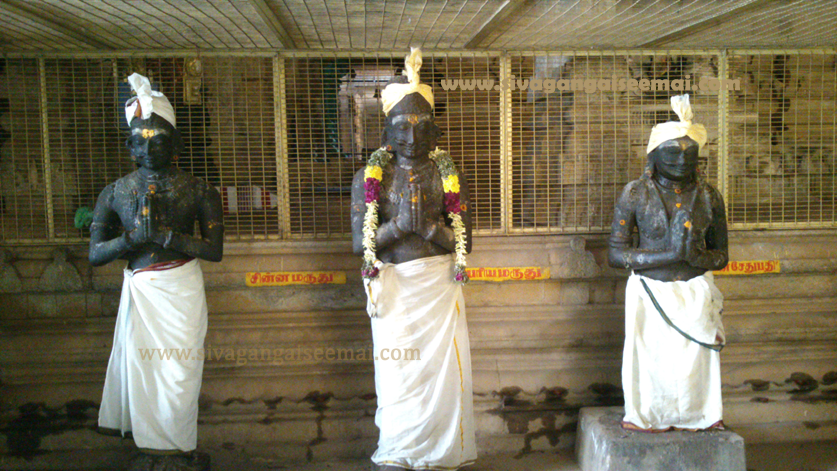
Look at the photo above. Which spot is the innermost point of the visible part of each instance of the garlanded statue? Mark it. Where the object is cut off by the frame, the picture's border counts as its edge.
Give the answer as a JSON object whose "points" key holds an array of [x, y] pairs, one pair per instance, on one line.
{"points": [[411, 221], [148, 218], [671, 371]]}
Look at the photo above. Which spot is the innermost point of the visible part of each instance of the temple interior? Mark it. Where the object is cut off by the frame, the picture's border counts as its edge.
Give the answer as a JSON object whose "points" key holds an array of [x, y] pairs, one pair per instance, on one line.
{"points": [[545, 106]]}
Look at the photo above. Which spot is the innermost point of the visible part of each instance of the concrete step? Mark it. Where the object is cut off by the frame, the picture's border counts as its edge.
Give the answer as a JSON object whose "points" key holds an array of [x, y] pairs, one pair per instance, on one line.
{"points": [[603, 445]]}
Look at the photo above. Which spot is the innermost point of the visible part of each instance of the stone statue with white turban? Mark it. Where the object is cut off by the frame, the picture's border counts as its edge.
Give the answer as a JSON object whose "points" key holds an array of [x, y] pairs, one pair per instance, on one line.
{"points": [[148, 218], [411, 221], [671, 373]]}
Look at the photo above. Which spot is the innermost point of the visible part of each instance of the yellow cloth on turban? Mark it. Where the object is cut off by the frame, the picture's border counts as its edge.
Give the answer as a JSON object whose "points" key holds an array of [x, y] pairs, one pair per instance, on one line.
{"points": [[395, 92], [676, 129]]}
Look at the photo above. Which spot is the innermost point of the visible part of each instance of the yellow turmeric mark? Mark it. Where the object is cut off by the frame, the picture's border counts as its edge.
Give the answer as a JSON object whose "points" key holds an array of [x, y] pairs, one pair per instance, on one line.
{"points": [[461, 387]]}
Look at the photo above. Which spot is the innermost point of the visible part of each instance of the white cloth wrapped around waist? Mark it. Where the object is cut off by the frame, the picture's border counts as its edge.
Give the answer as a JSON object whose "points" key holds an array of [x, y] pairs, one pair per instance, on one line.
{"points": [[154, 373], [425, 399], [669, 380]]}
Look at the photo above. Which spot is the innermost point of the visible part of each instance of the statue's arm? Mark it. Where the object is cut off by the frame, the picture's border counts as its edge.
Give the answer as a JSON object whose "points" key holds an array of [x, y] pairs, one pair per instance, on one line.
{"points": [[106, 242], [210, 245], [387, 232], [715, 255], [358, 211], [621, 251]]}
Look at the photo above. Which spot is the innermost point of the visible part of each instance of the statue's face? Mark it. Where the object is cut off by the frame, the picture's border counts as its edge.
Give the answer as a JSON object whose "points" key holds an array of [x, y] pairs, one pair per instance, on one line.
{"points": [[677, 159], [151, 147], [412, 136]]}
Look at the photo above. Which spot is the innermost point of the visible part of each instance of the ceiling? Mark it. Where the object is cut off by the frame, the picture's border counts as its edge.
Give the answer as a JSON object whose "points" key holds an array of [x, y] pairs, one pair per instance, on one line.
{"points": [[92, 25]]}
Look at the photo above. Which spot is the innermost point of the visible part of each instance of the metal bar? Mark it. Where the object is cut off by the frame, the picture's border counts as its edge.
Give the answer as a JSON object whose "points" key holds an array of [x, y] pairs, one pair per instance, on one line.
{"points": [[45, 139], [395, 53], [703, 25], [274, 22], [250, 237], [318, 236], [505, 146], [501, 18], [618, 52], [783, 225], [270, 52], [490, 232], [64, 241], [754, 52], [141, 53], [280, 114], [497, 52], [78, 33], [723, 130], [575, 230]]}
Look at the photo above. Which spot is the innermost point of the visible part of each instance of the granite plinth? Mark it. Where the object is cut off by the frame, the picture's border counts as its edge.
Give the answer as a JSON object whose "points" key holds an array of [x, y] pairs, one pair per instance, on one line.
{"points": [[603, 445]]}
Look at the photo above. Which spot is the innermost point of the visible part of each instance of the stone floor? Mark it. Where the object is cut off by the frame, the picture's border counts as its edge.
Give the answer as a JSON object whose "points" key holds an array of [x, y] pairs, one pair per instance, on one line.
{"points": [[816, 456]]}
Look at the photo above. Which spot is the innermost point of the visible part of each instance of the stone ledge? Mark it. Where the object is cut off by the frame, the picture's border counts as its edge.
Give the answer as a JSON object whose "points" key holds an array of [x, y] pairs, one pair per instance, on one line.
{"points": [[602, 445]]}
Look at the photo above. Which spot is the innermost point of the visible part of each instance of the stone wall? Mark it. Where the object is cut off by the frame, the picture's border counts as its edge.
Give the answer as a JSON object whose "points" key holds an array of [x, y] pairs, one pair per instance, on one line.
{"points": [[540, 349]]}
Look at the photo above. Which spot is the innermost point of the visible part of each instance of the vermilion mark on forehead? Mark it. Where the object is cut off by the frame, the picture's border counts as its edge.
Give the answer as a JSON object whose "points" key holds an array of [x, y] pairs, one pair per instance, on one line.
{"points": [[411, 118], [148, 132]]}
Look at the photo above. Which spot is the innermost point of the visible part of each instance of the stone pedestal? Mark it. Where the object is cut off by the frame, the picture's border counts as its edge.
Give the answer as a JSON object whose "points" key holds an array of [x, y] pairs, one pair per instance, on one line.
{"points": [[603, 445]]}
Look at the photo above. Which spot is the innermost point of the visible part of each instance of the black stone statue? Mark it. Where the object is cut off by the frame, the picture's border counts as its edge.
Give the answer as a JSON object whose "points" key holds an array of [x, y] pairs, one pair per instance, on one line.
{"points": [[425, 408], [671, 375], [148, 218]]}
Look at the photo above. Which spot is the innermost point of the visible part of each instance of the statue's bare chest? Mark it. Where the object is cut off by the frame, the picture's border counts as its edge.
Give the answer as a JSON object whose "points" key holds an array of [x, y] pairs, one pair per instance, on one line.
{"points": [[655, 213], [396, 186], [173, 203]]}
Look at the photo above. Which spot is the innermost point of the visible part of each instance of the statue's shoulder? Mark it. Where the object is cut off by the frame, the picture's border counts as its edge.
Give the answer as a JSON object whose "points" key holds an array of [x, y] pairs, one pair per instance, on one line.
{"points": [[711, 193], [634, 193], [359, 178], [184, 178], [637, 187], [359, 174], [129, 182], [106, 195], [639, 183]]}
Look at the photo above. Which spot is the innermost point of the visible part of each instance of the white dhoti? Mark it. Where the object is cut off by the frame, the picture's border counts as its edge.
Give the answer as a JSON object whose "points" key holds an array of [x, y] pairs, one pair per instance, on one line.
{"points": [[154, 373], [422, 366], [668, 380]]}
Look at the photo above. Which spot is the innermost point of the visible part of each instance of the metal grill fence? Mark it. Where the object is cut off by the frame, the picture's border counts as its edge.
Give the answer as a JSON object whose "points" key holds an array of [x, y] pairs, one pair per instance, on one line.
{"points": [[281, 135], [781, 167], [572, 151]]}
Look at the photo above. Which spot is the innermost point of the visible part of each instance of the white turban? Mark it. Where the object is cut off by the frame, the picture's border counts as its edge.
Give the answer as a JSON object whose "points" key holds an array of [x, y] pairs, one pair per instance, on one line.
{"points": [[148, 100], [676, 129], [395, 92]]}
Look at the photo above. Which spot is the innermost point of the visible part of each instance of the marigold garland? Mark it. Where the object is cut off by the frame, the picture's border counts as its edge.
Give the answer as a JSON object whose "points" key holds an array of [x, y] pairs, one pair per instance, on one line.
{"points": [[373, 174]]}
